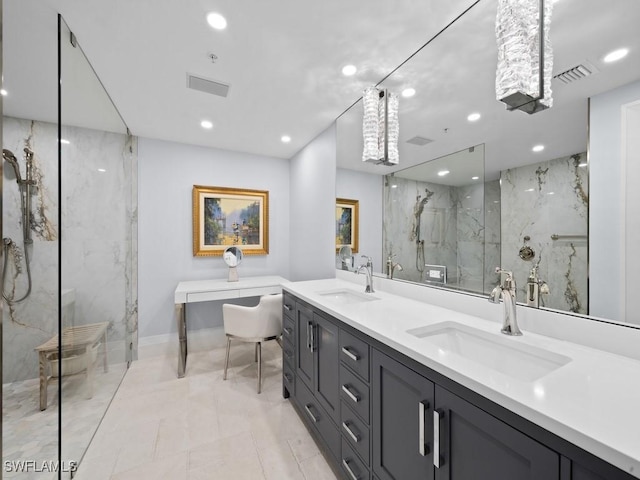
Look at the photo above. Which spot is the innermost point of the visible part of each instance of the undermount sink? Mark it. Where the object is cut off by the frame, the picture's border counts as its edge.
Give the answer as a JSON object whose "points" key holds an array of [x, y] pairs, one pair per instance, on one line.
{"points": [[505, 355], [345, 296]]}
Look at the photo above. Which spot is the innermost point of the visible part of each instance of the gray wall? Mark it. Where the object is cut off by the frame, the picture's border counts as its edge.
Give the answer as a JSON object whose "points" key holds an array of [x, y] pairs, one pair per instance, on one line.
{"points": [[167, 173], [313, 196], [607, 192], [367, 189]]}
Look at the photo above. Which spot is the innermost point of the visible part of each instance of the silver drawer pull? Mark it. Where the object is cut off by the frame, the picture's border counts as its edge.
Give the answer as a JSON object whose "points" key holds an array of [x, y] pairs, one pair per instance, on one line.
{"points": [[356, 438], [287, 330], [287, 307], [313, 417], [349, 354], [287, 377], [345, 464], [422, 412], [355, 398], [436, 438]]}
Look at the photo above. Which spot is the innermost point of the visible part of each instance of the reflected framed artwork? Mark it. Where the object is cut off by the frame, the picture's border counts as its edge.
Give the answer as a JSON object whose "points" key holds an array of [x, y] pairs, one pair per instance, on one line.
{"points": [[347, 224], [224, 217]]}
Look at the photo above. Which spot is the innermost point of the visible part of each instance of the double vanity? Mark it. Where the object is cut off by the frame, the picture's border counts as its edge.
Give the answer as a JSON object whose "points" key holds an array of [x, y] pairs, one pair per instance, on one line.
{"points": [[395, 388]]}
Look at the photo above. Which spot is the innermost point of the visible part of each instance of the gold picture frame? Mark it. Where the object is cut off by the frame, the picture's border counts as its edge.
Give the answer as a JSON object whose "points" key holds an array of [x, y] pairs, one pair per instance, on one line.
{"points": [[347, 222], [224, 217]]}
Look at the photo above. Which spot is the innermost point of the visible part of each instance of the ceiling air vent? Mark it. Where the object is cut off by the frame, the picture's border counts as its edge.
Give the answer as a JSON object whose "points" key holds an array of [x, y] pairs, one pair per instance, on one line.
{"points": [[576, 73], [418, 140], [207, 86]]}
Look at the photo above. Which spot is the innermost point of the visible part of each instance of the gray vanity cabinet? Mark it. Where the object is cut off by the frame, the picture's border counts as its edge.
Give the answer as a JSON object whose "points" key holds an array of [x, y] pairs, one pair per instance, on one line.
{"points": [[377, 414], [303, 350], [415, 420], [474, 445], [402, 410], [317, 359]]}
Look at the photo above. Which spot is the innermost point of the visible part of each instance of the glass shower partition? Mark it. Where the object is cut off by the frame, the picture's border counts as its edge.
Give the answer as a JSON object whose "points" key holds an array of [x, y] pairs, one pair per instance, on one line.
{"points": [[70, 253], [98, 251]]}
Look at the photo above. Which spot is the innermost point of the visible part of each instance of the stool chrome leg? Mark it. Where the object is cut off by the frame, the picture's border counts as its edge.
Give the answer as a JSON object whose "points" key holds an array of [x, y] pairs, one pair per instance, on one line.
{"points": [[226, 361], [259, 352]]}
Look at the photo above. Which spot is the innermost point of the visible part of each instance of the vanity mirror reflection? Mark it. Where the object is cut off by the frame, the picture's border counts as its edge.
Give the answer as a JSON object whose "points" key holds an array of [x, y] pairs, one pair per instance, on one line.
{"points": [[553, 183]]}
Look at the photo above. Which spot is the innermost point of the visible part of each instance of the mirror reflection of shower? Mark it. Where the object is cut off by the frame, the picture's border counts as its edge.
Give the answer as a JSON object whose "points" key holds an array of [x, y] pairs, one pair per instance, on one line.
{"points": [[11, 248], [415, 231]]}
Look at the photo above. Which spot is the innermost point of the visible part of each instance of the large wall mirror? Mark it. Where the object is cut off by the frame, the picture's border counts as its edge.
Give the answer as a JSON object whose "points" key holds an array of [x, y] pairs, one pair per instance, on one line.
{"points": [[545, 192]]}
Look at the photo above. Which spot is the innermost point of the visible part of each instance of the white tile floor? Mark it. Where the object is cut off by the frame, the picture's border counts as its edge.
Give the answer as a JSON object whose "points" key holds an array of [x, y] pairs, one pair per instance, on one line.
{"points": [[31, 434], [201, 427]]}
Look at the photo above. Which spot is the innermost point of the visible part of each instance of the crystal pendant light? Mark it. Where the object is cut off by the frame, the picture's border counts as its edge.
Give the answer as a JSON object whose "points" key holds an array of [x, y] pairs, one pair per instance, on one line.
{"points": [[380, 126], [521, 83]]}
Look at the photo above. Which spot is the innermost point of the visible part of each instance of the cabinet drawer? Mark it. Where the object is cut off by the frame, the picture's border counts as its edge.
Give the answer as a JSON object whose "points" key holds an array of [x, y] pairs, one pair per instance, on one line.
{"points": [[352, 465], [314, 415], [355, 354], [356, 432], [289, 378], [288, 305], [288, 329], [354, 392], [288, 353]]}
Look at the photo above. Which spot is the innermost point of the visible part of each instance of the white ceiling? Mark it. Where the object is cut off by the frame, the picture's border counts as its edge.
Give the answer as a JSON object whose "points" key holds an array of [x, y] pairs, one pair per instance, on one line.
{"points": [[283, 60], [455, 76]]}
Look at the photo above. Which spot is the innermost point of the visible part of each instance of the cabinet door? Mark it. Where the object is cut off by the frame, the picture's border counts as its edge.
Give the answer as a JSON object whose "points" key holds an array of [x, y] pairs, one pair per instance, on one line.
{"points": [[303, 351], [401, 422], [475, 445], [327, 365]]}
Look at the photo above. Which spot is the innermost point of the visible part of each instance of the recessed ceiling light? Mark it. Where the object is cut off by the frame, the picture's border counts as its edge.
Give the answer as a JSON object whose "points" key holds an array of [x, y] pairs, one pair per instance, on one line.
{"points": [[616, 55], [394, 186], [408, 92], [64, 141], [349, 70], [538, 148], [474, 117], [206, 124], [529, 190], [442, 173], [475, 178], [551, 193], [3, 92], [217, 21], [285, 139], [101, 170]]}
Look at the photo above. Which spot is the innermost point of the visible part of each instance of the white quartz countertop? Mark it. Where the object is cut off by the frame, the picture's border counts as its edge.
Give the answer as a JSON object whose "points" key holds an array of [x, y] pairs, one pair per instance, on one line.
{"points": [[593, 401]]}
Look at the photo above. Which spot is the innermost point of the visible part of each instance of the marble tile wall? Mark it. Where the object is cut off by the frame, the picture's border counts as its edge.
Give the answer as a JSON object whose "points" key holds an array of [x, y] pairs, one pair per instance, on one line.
{"points": [[99, 221], [538, 201], [492, 234], [450, 225]]}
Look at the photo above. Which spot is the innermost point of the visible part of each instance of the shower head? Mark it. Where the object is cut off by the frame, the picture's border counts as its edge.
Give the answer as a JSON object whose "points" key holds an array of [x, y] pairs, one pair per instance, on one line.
{"points": [[11, 158]]}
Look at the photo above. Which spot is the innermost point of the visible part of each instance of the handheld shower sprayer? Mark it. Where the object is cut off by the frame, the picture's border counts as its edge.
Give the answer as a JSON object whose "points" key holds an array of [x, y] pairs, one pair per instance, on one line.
{"points": [[24, 185], [13, 161]]}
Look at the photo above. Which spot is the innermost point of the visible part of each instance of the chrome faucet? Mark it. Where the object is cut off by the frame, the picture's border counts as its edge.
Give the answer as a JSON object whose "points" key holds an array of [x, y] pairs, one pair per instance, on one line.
{"points": [[535, 288], [368, 267], [391, 266], [507, 290]]}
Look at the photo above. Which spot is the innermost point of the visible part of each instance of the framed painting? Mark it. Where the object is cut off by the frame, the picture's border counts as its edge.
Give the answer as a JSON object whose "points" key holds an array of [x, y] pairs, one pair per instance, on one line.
{"points": [[347, 224], [223, 217]]}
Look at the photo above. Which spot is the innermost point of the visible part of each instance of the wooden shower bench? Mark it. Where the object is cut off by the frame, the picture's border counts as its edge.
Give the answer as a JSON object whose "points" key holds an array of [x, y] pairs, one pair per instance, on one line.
{"points": [[80, 340]]}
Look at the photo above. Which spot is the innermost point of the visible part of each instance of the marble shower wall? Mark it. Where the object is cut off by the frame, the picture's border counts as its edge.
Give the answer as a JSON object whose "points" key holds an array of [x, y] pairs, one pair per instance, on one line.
{"points": [[451, 226], [538, 201], [99, 230], [492, 234]]}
